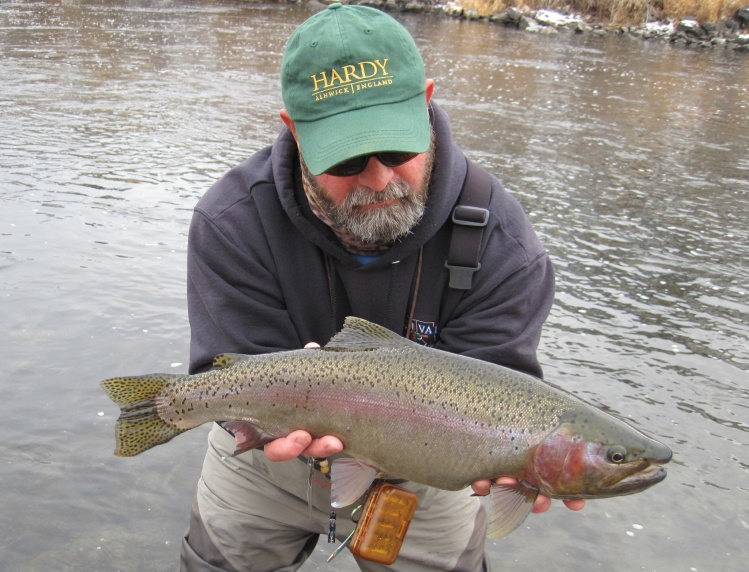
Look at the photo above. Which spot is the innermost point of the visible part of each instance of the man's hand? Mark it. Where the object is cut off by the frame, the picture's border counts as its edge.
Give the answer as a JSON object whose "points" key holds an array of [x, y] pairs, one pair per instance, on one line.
{"points": [[542, 504]]}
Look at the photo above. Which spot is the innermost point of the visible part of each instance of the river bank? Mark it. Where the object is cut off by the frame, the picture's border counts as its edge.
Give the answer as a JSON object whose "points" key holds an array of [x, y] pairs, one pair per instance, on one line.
{"points": [[730, 34]]}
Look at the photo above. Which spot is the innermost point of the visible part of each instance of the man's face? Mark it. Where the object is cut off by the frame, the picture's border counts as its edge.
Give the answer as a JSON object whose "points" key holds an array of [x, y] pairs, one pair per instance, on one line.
{"points": [[381, 204]]}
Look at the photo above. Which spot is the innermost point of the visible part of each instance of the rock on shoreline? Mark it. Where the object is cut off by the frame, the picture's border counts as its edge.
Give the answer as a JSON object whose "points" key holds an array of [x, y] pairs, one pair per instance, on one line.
{"points": [[731, 34]]}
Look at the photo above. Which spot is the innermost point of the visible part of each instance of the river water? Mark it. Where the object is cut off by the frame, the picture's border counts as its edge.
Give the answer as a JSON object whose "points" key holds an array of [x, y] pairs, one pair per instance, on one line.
{"points": [[631, 159]]}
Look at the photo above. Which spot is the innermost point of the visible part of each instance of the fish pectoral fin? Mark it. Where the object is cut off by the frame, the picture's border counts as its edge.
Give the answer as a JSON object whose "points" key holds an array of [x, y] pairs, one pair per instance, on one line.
{"points": [[222, 361], [252, 436], [360, 335], [511, 504], [349, 480]]}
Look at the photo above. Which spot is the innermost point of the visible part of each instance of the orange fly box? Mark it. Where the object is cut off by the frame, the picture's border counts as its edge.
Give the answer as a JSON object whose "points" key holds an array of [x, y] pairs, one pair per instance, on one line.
{"points": [[383, 524]]}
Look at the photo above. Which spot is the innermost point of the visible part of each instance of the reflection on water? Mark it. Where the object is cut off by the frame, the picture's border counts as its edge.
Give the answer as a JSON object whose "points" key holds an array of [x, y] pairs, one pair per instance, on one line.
{"points": [[629, 157]]}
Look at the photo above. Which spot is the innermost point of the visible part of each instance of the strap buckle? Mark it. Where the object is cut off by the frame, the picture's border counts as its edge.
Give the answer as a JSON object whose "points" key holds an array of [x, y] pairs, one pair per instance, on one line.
{"points": [[461, 277], [465, 215]]}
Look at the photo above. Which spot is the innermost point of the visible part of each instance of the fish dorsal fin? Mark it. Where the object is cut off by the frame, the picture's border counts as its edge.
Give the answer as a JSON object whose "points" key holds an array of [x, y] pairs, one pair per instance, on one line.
{"points": [[349, 480], [222, 361], [511, 504], [360, 335]]}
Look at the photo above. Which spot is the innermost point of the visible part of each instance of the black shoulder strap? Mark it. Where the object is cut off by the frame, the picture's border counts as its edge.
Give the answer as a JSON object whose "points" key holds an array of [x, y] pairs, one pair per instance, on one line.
{"points": [[469, 219]]}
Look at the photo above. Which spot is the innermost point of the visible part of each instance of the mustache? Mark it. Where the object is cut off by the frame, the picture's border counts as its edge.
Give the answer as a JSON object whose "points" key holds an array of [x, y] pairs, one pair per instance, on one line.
{"points": [[364, 196]]}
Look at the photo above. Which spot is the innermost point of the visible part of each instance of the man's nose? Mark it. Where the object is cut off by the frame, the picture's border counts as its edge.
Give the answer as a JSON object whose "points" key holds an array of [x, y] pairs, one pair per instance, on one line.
{"points": [[375, 175]]}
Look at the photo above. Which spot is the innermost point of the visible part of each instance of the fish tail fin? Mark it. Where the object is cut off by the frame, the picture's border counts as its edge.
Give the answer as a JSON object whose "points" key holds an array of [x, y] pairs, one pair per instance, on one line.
{"points": [[139, 426]]}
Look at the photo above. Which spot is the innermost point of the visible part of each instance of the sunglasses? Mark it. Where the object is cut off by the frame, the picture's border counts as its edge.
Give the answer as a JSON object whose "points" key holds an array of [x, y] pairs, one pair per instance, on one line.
{"points": [[356, 165]]}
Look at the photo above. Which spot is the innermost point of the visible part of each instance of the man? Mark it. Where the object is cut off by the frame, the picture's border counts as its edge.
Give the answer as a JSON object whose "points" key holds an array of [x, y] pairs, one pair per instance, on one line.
{"points": [[347, 213]]}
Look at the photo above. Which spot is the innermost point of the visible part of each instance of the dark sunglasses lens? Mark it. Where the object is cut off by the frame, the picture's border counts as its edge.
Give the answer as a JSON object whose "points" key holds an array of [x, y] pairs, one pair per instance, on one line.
{"points": [[395, 159], [350, 167], [356, 165]]}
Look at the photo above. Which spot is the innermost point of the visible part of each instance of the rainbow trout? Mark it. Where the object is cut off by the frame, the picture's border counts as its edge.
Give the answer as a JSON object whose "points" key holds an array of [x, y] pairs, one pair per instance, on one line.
{"points": [[406, 411]]}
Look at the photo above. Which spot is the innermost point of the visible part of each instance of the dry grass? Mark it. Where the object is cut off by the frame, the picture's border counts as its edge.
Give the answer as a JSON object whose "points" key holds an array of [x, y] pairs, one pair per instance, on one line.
{"points": [[621, 12]]}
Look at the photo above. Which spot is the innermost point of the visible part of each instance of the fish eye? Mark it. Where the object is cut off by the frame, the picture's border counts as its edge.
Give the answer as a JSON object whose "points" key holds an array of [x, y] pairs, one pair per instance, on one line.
{"points": [[617, 455]]}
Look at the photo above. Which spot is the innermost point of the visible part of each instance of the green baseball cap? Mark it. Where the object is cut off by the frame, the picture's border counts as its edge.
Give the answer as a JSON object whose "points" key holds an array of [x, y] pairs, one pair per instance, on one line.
{"points": [[353, 82]]}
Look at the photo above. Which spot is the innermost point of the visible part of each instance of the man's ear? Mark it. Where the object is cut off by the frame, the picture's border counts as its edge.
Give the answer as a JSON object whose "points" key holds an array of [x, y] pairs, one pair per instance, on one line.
{"points": [[286, 118], [429, 90]]}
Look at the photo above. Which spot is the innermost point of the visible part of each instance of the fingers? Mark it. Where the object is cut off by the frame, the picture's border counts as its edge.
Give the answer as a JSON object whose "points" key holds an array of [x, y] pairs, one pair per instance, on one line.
{"points": [[481, 488], [301, 443], [286, 448], [574, 504], [324, 447], [542, 504]]}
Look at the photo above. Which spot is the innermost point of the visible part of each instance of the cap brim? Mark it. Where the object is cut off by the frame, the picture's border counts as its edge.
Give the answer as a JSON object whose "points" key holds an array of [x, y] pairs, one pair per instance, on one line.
{"points": [[402, 126]]}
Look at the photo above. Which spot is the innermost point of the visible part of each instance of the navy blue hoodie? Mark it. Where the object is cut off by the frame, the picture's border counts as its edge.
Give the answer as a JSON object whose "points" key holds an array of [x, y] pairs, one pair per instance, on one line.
{"points": [[264, 274]]}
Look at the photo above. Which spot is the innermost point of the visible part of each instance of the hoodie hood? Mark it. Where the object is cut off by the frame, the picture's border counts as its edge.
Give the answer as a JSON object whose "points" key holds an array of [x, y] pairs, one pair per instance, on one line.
{"points": [[444, 189]]}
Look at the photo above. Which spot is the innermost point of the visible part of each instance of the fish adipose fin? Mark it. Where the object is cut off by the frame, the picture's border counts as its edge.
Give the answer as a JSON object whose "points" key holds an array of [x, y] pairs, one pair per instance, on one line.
{"points": [[511, 504], [349, 480], [222, 361], [360, 335], [139, 426]]}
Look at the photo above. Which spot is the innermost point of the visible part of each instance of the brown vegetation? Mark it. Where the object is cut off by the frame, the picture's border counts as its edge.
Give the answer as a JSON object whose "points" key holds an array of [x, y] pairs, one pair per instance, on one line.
{"points": [[621, 12]]}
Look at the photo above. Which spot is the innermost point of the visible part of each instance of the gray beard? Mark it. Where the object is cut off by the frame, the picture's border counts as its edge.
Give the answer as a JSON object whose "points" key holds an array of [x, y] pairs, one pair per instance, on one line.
{"points": [[382, 225]]}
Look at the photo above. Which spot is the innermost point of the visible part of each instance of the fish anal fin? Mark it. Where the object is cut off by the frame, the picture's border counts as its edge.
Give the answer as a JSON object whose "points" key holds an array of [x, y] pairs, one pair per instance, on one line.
{"points": [[360, 335], [252, 436], [511, 504], [349, 480]]}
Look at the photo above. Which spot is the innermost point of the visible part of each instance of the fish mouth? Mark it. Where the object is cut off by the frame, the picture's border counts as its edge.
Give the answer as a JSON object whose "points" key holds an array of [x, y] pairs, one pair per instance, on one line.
{"points": [[635, 479]]}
